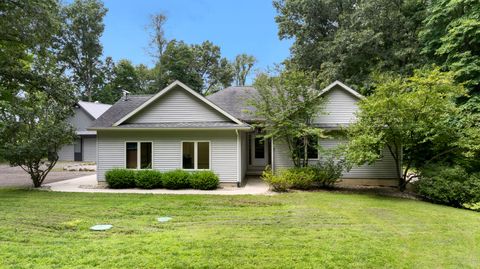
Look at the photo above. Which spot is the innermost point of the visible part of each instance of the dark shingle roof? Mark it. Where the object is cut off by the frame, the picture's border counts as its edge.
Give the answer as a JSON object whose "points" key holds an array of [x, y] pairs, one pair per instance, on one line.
{"points": [[179, 125], [119, 110], [234, 101]]}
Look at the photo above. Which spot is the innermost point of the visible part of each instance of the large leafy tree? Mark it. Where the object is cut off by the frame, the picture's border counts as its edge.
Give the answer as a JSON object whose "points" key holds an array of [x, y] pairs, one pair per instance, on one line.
{"points": [[287, 103], [351, 39], [82, 50], [414, 118], [242, 66], [451, 37], [35, 96]]}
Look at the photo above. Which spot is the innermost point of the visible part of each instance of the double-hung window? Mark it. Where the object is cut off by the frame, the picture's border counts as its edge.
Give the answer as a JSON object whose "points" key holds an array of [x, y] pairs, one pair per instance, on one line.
{"points": [[196, 155], [138, 155]]}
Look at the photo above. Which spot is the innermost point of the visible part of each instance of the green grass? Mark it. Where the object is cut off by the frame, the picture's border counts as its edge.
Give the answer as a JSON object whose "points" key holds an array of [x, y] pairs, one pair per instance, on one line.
{"points": [[50, 230]]}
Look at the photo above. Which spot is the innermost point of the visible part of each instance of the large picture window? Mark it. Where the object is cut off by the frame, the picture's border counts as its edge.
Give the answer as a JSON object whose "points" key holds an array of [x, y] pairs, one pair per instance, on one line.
{"points": [[139, 155], [196, 155]]}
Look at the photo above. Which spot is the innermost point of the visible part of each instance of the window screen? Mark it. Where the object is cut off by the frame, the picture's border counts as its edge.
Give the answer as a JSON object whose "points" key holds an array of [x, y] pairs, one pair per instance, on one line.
{"points": [[203, 161], [132, 155]]}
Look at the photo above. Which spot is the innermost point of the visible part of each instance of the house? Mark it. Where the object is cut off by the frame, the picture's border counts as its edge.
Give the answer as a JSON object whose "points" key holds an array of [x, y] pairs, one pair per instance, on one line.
{"points": [[84, 147], [179, 128]]}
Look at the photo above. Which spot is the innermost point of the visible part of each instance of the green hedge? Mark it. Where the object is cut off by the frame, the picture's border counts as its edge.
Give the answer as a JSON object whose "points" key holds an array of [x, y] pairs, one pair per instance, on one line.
{"points": [[204, 180], [152, 179], [120, 178], [148, 179]]}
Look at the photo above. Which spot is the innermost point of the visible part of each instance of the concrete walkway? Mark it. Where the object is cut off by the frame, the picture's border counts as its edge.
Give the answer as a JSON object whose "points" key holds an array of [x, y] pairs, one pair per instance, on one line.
{"points": [[89, 184]]}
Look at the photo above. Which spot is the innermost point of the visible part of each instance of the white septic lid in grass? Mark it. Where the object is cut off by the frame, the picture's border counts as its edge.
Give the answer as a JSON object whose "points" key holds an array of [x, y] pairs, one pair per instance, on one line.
{"points": [[163, 219], [101, 227]]}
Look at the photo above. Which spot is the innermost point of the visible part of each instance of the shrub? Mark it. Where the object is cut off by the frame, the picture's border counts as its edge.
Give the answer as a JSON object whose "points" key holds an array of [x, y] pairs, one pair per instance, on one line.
{"points": [[277, 182], [328, 171], [204, 180], [148, 179], [176, 179], [300, 178], [450, 185], [120, 178]]}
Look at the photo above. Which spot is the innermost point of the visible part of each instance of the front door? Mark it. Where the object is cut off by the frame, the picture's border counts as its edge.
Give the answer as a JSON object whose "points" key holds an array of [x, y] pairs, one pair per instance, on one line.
{"points": [[78, 150], [258, 151]]}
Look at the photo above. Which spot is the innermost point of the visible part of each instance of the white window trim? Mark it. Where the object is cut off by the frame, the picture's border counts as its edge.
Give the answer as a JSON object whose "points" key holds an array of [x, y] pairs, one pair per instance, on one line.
{"points": [[138, 154], [195, 156], [318, 152]]}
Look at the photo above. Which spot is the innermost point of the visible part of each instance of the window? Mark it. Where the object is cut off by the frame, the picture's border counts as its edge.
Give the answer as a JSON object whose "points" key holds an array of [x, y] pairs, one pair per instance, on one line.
{"points": [[136, 159], [196, 155], [312, 147]]}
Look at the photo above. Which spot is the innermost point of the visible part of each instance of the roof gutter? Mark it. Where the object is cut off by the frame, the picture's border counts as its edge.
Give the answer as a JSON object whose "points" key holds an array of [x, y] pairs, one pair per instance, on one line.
{"points": [[167, 129]]}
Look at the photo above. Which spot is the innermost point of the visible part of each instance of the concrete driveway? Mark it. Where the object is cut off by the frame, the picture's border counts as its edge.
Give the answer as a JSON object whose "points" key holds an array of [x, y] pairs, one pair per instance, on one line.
{"points": [[16, 177]]}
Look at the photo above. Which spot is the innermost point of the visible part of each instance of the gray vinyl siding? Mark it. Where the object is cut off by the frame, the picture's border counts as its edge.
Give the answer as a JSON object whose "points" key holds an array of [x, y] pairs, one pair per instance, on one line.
{"points": [[381, 169], [66, 153], [167, 150], [89, 149], [339, 108], [177, 105]]}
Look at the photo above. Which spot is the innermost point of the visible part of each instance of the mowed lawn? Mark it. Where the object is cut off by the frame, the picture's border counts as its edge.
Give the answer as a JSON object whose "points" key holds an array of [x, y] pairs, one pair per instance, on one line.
{"points": [[41, 229]]}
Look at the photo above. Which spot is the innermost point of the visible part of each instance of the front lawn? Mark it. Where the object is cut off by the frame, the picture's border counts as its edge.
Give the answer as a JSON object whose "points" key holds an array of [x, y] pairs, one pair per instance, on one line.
{"points": [[50, 230]]}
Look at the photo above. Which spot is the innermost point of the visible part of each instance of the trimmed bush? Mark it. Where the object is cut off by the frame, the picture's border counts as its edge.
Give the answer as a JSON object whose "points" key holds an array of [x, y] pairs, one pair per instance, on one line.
{"points": [[449, 185], [148, 179], [204, 180], [176, 179], [277, 182], [120, 178]]}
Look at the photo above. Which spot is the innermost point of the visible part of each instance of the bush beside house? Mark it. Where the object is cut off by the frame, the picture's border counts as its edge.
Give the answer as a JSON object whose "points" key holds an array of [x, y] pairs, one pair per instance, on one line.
{"points": [[152, 179]]}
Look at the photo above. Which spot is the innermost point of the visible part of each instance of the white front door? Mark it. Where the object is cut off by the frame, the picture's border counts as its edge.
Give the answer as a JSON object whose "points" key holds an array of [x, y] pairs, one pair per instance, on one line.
{"points": [[258, 151]]}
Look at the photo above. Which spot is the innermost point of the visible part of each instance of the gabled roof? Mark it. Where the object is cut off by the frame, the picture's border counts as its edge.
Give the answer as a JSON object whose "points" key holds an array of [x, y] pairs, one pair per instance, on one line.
{"points": [[169, 88], [119, 110], [343, 86], [95, 110], [234, 100]]}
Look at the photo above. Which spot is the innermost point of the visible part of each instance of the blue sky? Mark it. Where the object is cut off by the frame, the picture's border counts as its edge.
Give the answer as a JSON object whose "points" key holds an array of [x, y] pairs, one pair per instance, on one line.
{"points": [[236, 26]]}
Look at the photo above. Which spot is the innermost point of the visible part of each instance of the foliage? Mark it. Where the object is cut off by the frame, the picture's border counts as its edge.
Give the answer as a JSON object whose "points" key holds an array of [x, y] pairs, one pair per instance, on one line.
{"points": [[275, 181], [328, 171], [81, 47], [148, 179], [241, 67], [349, 40], [411, 117], [301, 178], [204, 180], [288, 103], [120, 178], [176, 179], [35, 96], [451, 35], [450, 185]]}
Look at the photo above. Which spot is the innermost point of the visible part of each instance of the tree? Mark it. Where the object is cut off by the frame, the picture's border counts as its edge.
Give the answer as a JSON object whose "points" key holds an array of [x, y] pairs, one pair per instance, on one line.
{"points": [[35, 96], [158, 42], [349, 39], [288, 104], [81, 44], [178, 63], [214, 70], [241, 67], [451, 37], [411, 117]]}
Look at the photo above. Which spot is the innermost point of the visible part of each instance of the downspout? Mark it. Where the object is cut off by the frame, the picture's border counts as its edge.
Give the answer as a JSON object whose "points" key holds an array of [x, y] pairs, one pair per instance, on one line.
{"points": [[239, 157]]}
